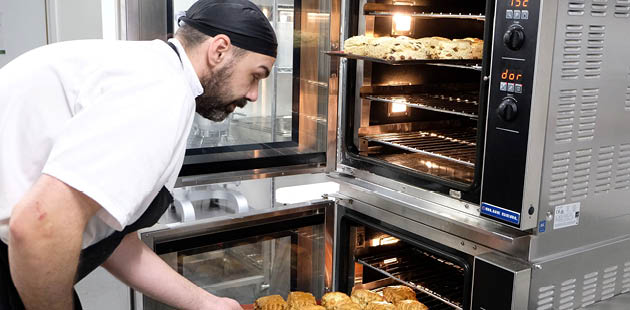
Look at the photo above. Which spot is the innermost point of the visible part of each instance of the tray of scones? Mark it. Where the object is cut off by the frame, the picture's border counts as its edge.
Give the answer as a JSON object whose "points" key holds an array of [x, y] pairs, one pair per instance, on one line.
{"points": [[390, 298], [406, 50]]}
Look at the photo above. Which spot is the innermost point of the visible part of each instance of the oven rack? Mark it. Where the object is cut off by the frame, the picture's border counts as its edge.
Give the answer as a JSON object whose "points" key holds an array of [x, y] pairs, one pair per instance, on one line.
{"points": [[469, 64], [462, 104], [422, 271], [457, 145], [381, 9]]}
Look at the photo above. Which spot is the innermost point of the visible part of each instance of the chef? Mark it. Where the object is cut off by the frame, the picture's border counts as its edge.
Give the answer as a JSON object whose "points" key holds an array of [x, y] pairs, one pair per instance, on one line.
{"points": [[92, 138]]}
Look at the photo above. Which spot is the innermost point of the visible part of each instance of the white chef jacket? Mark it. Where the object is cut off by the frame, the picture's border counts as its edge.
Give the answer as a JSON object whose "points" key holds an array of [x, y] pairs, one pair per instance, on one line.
{"points": [[108, 118]]}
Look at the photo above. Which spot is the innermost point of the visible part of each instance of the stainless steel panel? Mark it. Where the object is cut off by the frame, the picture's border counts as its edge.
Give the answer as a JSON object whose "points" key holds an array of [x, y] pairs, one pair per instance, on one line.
{"points": [[586, 148], [469, 234], [583, 278], [522, 275], [145, 20]]}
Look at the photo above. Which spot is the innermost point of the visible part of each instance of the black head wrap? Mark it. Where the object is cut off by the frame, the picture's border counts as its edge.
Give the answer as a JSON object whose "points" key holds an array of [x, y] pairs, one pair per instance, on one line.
{"points": [[241, 20]]}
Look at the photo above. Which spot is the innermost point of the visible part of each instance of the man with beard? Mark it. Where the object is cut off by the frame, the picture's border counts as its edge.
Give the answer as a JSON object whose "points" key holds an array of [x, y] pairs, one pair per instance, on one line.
{"points": [[92, 137]]}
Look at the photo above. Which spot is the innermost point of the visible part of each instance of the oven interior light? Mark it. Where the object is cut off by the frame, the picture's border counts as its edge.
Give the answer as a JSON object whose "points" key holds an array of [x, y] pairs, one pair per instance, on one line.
{"points": [[398, 107], [389, 240], [390, 261], [402, 22]]}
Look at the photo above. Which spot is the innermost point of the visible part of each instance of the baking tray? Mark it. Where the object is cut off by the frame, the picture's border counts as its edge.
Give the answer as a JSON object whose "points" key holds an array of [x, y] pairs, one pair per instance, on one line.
{"points": [[472, 64]]}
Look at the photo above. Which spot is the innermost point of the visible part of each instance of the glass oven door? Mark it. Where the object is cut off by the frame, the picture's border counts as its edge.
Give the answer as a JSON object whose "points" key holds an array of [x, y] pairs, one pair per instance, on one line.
{"points": [[252, 255], [292, 124]]}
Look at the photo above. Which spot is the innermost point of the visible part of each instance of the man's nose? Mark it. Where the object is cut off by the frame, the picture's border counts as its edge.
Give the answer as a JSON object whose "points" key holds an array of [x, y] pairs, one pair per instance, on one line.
{"points": [[252, 95]]}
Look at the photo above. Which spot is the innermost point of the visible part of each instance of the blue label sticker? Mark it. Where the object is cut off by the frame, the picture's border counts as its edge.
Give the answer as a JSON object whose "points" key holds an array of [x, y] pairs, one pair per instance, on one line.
{"points": [[500, 213], [542, 226]]}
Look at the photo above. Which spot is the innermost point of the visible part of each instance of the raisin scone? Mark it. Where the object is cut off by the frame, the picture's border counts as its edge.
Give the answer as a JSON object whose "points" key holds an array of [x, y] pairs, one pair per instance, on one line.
{"points": [[477, 47], [272, 302], [331, 300], [397, 293], [298, 299], [410, 305], [381, 47], [364, 297], [357, 45], [380, 305], [462, 49]]}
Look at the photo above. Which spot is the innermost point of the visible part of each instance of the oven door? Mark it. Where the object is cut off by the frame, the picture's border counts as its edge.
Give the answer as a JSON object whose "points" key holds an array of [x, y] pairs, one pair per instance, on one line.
{"points": [[250, 255], [291, 128]]}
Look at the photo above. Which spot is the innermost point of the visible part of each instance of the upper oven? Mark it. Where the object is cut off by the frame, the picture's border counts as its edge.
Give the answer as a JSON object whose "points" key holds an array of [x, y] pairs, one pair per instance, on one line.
{"points": [[438, 95]]}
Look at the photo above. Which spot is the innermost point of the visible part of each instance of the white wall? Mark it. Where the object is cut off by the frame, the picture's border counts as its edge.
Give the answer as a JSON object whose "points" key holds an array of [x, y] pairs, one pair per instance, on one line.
{"points": [[74, 20], [22, 27]]}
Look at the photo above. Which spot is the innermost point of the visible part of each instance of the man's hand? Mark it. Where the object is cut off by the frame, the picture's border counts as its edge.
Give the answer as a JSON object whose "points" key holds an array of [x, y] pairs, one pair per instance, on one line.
{"points": [[46, 228], [135, 264]]}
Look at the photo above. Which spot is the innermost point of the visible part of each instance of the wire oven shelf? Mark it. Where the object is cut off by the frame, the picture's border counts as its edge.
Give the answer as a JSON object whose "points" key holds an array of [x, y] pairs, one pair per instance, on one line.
{"points": [[425, 272], [463, 104], [382, 9], [470, 64], [457, 145]]}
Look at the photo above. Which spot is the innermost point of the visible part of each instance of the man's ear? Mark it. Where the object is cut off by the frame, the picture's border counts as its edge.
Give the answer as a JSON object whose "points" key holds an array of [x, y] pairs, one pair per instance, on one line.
{"points": [[219, 47]]}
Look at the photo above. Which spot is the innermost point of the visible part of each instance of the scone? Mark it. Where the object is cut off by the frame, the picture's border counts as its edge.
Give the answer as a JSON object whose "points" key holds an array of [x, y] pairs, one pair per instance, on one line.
{"points": [[331, 300], [380, 305], [297, 300], [431, 47], [381, 47], [445, 48], [462, 49], [364, 297], [349, 306], [272, 302], [357, 45], [312, 307], [410, 305], [397, 293], [476, 46]]}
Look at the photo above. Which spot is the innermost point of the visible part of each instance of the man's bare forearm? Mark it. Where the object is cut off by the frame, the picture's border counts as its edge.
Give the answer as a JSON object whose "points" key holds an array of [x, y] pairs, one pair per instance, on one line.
{"points": [[46, 234], [139, 267]]}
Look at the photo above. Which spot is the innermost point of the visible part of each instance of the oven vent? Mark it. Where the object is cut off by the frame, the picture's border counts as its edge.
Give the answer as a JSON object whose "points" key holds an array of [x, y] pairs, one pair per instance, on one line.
{"points": [[609, 282], [545, 298], [622, 172], [589, 289], [588, 114], [572, 50], [567, 295], [559, 178], [604, 169], [625, 283], [628, 98], [576, 7], [565, 117], [581, 174], [599, 8], [595, 51], [622, 8]]}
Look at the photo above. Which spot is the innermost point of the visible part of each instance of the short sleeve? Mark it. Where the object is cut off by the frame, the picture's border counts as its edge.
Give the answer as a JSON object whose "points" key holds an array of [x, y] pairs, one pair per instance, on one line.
{"points": [[123, 143]]}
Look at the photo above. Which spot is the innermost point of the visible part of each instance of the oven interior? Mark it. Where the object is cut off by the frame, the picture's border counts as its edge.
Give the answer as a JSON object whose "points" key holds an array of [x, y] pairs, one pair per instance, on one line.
{"points": [[420, 120], [374, 255]]}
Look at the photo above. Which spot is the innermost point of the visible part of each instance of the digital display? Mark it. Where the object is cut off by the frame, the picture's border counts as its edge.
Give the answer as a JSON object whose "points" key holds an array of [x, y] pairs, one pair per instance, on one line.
{"points": [[512, 75], [518, 3]]}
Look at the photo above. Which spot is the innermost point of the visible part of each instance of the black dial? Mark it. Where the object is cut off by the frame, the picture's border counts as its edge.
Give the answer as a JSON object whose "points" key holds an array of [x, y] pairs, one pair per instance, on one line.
{"points": [[514, 38], [508, 110]]}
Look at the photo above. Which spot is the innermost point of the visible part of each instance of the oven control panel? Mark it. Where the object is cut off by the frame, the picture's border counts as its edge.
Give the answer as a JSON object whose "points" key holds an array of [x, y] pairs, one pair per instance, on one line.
{"points": [[509, 106]]}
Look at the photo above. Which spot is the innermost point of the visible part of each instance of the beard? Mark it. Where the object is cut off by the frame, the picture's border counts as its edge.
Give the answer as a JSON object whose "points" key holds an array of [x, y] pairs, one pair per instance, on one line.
{"points": [[215, 103]]}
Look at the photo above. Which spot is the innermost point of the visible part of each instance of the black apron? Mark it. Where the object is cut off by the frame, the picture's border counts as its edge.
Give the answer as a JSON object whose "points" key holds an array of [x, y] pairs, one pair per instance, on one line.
{"points": [[91, 257]]}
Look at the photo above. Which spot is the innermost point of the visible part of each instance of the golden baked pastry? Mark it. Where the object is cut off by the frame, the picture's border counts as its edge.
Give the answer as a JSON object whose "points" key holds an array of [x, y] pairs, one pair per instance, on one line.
{"points": [[272, 302], [364, 297], [410, 305], [349, 306], [380, 305], [357, 45], [331, 300], [312, 307], [298, 299], [397, 293]]}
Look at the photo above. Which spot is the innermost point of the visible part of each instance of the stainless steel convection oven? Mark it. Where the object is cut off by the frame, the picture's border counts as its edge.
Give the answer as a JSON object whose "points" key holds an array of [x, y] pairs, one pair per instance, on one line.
{"points": [[492, 183]]}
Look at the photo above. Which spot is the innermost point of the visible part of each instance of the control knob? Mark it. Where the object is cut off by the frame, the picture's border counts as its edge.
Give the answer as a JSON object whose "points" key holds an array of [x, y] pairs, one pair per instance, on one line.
{"points": [[507, 110], [514, 38]]}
